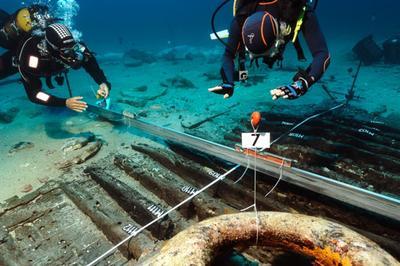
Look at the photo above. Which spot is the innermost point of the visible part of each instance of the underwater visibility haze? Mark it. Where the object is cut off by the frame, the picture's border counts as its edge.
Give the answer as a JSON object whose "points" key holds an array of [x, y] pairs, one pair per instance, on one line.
{"points": [[114, 112]]}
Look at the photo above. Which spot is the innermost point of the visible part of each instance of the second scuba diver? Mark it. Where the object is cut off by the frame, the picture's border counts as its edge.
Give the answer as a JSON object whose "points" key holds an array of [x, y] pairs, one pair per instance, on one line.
{"points": [[263, 29], [37, 50], [17, 27]]}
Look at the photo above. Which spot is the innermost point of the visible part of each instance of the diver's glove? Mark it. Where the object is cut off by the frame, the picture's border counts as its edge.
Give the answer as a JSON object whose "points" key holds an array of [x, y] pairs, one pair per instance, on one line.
{"points": [[223, 89], [291, 92], [103, 91], [103, 96]]}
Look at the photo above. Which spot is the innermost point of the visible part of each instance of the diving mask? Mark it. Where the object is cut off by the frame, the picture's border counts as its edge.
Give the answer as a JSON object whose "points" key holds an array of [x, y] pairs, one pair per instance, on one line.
{"points": [[73, 56]]}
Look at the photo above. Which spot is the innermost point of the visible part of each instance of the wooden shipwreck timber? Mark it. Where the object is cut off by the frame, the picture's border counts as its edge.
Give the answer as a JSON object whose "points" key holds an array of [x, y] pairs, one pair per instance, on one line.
{"points": [[348, 145], [73, 221]]}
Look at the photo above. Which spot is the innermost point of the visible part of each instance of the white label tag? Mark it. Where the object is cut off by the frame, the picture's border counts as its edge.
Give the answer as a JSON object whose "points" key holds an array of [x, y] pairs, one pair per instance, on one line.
{"points": [[131, 230], [256, 140], [42, 96], [33, 61]]}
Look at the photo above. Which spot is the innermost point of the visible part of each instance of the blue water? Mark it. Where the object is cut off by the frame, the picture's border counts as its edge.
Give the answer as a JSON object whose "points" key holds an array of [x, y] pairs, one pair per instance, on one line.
{"points": [[347, 146], [154, 23], [114, 27]]}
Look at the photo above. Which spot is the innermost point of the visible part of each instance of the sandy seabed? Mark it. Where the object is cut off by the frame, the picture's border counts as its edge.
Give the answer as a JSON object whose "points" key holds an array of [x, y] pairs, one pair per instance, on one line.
{"points": [[49, 128]]}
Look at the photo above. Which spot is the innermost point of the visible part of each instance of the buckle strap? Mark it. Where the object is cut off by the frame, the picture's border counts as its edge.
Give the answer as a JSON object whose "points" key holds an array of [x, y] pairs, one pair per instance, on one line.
{"points": [[15, 61]]}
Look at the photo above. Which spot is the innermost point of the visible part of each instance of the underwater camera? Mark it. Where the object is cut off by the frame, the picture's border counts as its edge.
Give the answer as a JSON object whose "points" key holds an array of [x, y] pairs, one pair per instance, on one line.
{"points": [[243, 75]]}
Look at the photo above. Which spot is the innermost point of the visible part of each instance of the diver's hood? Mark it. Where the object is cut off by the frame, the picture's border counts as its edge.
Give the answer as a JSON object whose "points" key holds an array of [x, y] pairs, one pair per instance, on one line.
{"points": [[58, 36], [265, 36], [63, 46]]}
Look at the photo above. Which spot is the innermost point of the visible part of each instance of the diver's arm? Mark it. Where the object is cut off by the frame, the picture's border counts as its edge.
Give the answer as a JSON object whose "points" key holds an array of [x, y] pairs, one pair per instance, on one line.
{"points": [[319, 49], [92, 67], [234, 44], [304, 79], [33, 88]]}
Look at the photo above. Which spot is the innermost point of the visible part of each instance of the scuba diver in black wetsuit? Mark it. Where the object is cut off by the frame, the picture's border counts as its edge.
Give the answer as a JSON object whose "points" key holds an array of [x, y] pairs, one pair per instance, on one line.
{"points": [[16, 28], [52, 55], [263, 29], [38, 50]]}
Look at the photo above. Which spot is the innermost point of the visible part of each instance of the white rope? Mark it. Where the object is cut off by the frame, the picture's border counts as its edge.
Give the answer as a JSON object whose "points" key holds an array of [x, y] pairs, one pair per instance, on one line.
{"points": [[245, 171], [279, 180], [305, 121], [281, 166], [110, 251], [255, 197], [247, 208]]}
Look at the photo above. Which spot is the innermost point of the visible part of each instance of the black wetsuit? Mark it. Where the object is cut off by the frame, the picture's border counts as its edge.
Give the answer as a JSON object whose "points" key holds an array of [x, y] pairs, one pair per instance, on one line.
{"points": [[6, 64], [311, 32], [35, 63], [6, 59]]}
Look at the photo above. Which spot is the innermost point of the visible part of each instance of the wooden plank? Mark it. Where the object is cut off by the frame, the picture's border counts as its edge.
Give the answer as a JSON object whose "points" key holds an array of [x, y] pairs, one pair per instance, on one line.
{"points": [[110, 218]]}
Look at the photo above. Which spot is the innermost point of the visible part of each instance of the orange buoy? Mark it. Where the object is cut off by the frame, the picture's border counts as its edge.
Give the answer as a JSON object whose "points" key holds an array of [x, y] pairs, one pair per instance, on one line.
{"points": [[255, 119]]}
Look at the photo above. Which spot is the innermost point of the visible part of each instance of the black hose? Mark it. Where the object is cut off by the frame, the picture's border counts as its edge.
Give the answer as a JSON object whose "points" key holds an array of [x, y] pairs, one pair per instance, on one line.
{"points": [[213, 22], [315, 5], [4, 16], [68, 84]]}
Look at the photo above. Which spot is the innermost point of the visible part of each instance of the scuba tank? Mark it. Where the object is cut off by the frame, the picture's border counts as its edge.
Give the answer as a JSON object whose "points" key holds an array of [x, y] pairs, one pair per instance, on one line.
{"points": [[241, 10], [16, 27]]}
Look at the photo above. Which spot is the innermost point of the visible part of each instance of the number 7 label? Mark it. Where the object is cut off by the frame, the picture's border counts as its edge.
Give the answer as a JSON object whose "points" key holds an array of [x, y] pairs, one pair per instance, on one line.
{"points": [[256, 140]]}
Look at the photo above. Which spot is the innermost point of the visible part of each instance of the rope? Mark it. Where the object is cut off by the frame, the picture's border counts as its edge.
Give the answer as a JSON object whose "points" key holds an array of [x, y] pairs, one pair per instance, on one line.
{"points": [[255, 198], [281, 166], [222, 177], [245, 170], [305, 121], [279, 180]]}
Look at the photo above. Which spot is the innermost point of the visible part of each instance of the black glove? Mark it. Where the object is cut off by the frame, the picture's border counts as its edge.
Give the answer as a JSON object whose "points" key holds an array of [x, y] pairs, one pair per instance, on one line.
{"points": [[223, 89], [291, 92]]}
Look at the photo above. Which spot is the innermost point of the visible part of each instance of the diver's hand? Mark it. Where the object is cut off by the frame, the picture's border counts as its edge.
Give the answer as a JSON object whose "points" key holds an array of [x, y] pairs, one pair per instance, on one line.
{"points": [[290, 92], [75, 104], [103, 91], [223, 89]]}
